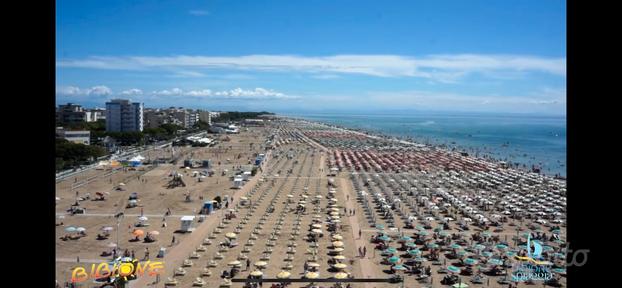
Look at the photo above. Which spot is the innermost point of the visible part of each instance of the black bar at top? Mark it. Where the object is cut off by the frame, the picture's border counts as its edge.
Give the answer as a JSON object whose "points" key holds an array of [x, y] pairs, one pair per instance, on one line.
{"points": [[275, 280]]}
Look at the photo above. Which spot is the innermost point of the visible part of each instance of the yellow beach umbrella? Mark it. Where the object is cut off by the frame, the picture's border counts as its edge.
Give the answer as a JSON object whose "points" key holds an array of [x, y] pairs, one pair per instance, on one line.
{"points": [[312, 275], [231, 235], [338, 244], [341, 275], [283, 275], [256, 273]]}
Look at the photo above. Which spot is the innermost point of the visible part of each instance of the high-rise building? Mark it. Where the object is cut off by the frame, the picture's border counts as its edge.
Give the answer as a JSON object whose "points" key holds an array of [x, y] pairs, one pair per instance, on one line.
{"points": [[70, 113], [205, 116], [124, 116], [193, 118]]}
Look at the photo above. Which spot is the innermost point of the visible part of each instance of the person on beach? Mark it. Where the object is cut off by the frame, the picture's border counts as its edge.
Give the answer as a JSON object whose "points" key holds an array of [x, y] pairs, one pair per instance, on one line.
{"points": [[173, 241], [248, 264], [364, 251], [146, 253], [360, 233]]}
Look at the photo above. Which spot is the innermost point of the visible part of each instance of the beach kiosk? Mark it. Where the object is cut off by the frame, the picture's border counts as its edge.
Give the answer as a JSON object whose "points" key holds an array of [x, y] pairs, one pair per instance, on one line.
{"points": [[238, 182], [246, 175], [208, 207], [186, 223]]}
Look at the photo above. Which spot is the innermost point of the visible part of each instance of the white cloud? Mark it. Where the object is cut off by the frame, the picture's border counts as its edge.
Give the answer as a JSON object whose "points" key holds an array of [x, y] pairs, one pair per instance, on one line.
{"points": [[133, 91], [237, 93], [444, 68], [77, 91], [325, 76], [198, 12]]}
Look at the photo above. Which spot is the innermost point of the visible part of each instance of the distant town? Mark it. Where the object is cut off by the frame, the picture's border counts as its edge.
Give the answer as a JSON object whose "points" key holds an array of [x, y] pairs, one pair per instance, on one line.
{"points": [[85, 135]]}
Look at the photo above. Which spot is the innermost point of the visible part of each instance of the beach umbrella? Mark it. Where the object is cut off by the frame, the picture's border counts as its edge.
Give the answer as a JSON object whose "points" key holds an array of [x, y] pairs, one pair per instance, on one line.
{"points": [[121, 184], [313, 264], [394, 259], [411, 244], [487, 253], [261, 264], [256, 273], [399, 267], [312, 275], [107, 228], [231, 235], [470, 261], [432, 245], [316, 226], [234, 263], [337, 237], [70, 229], [384, 238], [422, 233], [339, 257], [390, 250], [283, 275], [379, 226], [406, 238], [495, 262], [317, 231], [479, 247], [414, 252], [501, 246], [460, 285], [338, 249], [559, 270], [455, 246], [510, 253], [341, 275], [419, 259], [155, 233], [80, 229], [138, 232], [340, 266], [338, 244], [143, 218], [453, 269], [461, 253]]}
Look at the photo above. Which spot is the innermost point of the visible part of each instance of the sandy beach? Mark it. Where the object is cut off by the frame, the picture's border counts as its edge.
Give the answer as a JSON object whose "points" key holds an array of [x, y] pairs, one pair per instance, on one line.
{"points": [[420, 196]]}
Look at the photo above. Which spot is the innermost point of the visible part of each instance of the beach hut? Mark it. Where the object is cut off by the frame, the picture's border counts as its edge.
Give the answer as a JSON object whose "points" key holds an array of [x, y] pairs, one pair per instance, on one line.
{"points": [[208, 207], [238, 182], [186, 223], [246, 175]]}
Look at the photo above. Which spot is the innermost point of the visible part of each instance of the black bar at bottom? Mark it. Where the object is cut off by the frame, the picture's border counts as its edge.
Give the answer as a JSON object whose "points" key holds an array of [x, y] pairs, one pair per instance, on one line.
{"points": [[334, 280]]}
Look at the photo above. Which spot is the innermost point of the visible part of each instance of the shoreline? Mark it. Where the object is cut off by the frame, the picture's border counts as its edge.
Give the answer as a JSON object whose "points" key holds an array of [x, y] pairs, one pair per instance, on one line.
{"points": [[407, 141]]}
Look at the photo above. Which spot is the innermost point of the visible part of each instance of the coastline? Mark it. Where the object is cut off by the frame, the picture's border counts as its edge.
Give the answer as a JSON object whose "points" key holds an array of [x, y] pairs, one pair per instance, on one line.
{"points": [[407, 140]]}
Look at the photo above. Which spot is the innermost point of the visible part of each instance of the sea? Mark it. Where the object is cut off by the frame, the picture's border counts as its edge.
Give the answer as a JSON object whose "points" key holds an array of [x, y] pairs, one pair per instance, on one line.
{"points": [[525, 141]]}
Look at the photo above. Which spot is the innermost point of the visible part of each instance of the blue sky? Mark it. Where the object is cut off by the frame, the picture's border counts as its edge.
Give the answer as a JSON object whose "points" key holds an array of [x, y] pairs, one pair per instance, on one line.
{"points": [[496, 56]]}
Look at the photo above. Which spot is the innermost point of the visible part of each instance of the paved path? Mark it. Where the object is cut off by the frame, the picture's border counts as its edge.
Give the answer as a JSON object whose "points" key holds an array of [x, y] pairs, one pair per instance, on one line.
{"points": [[176, 255], [368, 267]]}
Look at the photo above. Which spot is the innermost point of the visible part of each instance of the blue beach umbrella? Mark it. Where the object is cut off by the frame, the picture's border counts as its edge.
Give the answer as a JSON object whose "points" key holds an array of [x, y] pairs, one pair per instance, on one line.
{"points": [[394, 259], [379, 226], [422, 233], [390, 250], [479, 247], [501, 246], [455, 246], [470, 261], [70, 229], [443, 234], [411, 244], [432, 245], [406, 238], [414, 252], [399, 267], [453, 269], [547, 248], [487, 253], [510, 253], [384, 238], [495, 262]]}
